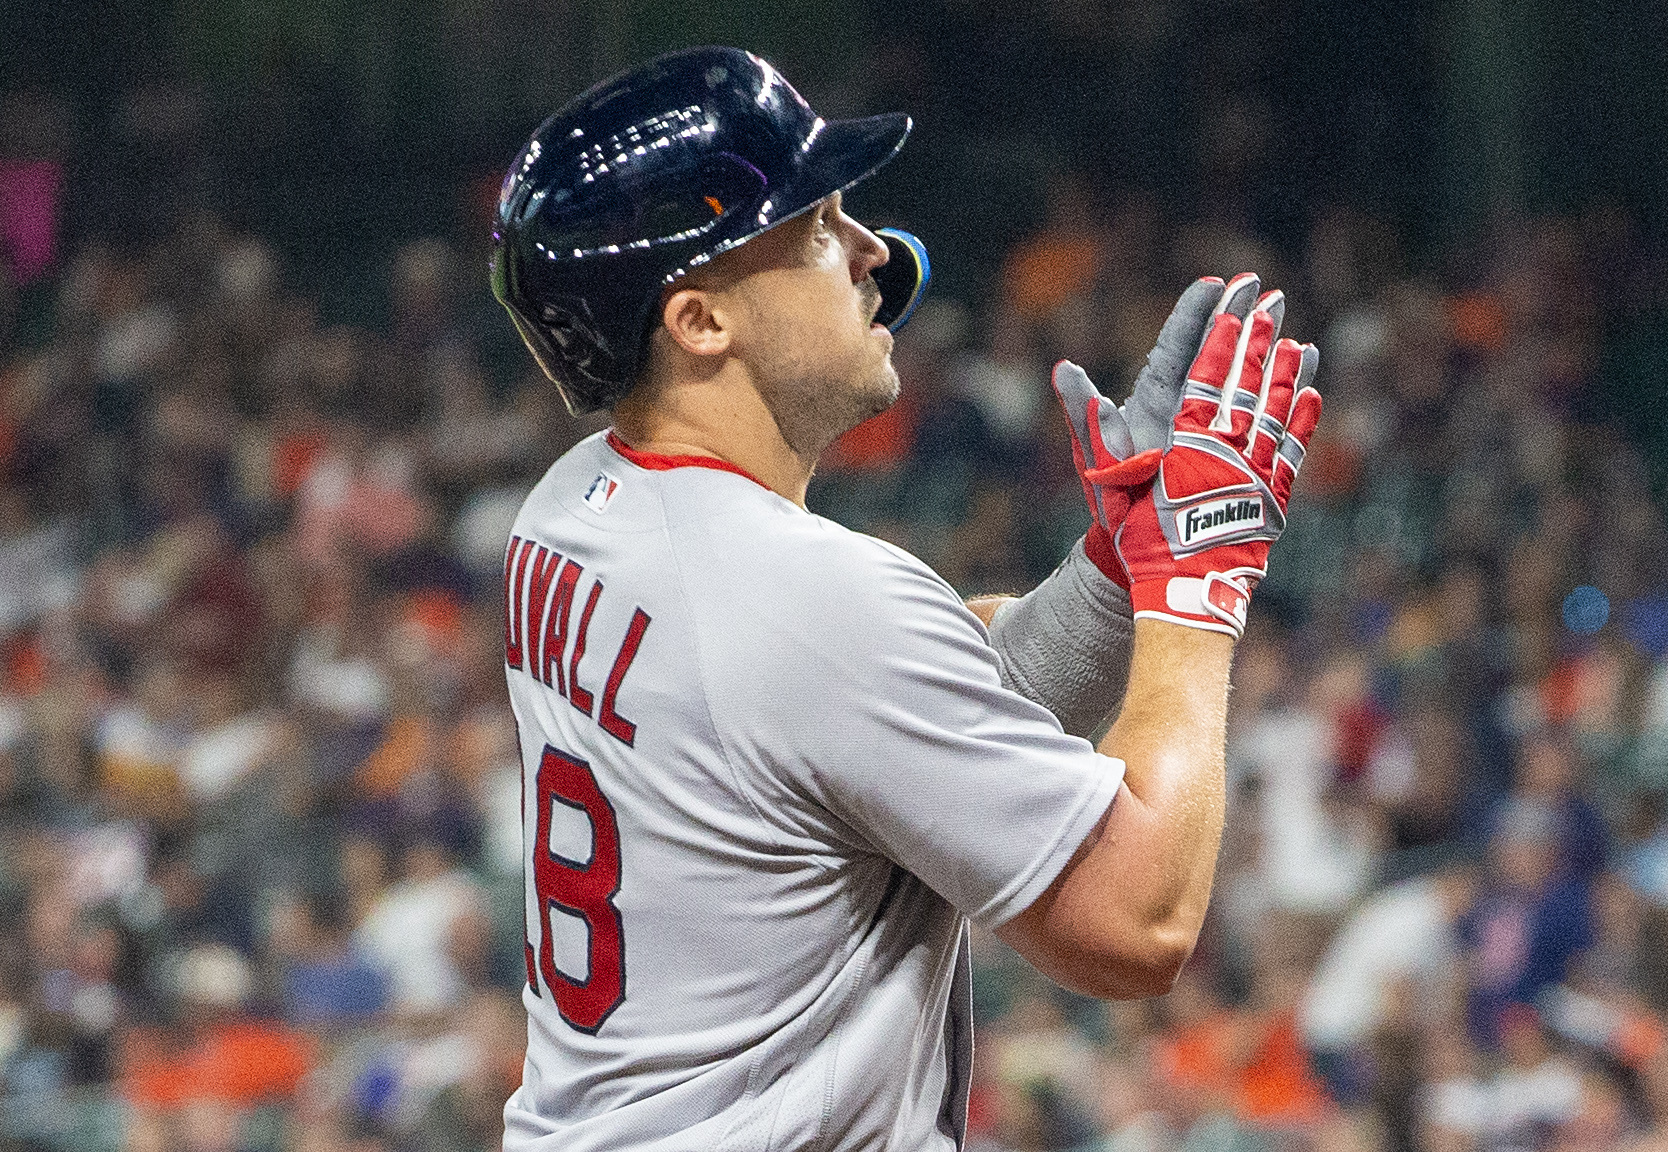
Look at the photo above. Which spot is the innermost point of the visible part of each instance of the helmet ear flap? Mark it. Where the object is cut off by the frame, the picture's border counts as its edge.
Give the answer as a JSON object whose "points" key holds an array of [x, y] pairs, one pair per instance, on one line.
{"points": [[571, 351]]}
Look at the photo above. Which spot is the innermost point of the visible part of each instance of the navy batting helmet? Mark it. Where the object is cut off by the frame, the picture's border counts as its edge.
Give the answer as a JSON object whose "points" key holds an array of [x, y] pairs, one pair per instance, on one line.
{"points": [[654, 172]]}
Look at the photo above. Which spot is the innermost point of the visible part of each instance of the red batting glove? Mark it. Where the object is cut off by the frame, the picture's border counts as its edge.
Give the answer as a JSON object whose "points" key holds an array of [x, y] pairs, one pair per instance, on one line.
{"points": [[1100, 440], [1195, 542], [1135, 434]]}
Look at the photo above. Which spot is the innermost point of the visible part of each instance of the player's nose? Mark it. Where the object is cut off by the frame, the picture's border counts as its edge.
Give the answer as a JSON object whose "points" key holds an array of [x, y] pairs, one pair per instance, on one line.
{"points": [[866, 251]]}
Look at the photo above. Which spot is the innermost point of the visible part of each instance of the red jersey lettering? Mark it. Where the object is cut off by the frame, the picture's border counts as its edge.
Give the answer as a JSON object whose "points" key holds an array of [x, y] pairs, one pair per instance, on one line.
{"points": [[612, 722], [545, 564], [579, 697], [556, 625]]}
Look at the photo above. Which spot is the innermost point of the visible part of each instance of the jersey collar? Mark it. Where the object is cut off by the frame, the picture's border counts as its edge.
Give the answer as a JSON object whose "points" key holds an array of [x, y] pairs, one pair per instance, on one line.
{"points": [[659, 462]]}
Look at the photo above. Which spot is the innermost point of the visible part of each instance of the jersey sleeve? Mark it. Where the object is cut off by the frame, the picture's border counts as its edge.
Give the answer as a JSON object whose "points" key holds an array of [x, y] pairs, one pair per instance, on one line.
{"points": [[859, 686]]}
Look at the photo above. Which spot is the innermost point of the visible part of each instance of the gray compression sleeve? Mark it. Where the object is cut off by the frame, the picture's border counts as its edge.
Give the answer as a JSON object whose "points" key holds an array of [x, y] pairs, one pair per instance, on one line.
{"points": [[1066, 644]]}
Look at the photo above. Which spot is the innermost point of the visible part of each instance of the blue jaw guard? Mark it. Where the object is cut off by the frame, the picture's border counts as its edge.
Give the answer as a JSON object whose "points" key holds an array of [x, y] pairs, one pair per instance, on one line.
{"points": [[903, 279]]}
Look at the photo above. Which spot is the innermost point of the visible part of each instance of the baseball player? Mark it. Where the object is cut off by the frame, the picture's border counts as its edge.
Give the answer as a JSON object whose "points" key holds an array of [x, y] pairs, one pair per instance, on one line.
{"points": [[773, 767]]}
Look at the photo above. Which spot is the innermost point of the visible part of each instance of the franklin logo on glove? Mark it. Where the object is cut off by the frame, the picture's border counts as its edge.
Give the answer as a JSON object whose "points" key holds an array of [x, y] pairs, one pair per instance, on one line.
{"points": [[1206, 522]]}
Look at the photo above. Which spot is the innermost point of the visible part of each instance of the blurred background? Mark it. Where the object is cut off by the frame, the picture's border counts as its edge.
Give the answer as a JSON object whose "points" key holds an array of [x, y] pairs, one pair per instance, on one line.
{"points": [[262, 431]]}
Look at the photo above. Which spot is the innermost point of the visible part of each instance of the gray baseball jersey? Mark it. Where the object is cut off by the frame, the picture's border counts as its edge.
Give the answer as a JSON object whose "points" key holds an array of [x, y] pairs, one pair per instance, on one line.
{"points": [[770, 770]]}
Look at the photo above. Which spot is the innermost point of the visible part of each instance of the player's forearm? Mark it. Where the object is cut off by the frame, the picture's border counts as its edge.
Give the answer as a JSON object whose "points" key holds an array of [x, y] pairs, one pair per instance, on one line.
{"points": [[1124, 915], [1170, 736], [1190, 528]]}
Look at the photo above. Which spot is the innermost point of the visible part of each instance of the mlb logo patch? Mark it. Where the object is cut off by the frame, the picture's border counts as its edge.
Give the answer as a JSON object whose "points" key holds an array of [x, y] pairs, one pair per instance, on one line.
{"points": [[600, 492]]}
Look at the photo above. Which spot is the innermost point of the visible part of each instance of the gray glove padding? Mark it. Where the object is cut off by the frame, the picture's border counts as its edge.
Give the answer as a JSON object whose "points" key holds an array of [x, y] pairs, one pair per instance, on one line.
{"points": [[1066, 645], [1144, 420]]}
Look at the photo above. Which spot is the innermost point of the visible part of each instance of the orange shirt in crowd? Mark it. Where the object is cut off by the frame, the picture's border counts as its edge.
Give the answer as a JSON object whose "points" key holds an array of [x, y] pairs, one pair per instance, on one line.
{"points": [[239, 1062], [409, 743], [1046, 271], [879, 444], [1276, 1088], [1269, 1086]]}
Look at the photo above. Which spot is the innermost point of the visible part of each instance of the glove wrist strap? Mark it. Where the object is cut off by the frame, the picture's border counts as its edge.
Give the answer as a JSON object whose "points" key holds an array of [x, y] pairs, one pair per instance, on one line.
{"points": [[1216, 602]]}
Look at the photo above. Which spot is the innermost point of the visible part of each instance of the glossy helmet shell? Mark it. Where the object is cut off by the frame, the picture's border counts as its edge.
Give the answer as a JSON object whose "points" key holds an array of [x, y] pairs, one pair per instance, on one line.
{"points": [[645, 176]]}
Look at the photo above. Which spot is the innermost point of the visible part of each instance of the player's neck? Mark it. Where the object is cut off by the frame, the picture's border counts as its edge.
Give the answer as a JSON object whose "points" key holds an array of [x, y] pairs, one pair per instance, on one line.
{"points": [[724, 420]]}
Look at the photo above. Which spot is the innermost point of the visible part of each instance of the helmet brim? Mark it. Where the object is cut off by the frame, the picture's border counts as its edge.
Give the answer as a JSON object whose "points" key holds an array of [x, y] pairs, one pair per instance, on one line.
{"points": [[847, 151], [843, 153]]}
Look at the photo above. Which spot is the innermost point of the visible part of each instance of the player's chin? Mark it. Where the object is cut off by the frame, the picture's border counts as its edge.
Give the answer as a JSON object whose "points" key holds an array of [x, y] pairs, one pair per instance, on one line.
{"points": [[884, 388]]}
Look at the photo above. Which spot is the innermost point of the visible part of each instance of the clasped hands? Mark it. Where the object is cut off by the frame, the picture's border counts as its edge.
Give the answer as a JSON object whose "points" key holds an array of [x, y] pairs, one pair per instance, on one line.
{"points": [[1189, 480]]}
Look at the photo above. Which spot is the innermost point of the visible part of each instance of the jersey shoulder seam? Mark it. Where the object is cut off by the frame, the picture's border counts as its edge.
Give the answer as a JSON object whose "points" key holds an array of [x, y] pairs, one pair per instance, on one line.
{"points": [[701, 676], [886, 554]]}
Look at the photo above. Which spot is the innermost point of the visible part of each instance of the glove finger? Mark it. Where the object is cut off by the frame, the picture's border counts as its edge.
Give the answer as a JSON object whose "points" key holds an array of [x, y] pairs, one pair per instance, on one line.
{"points": [[1279, 385], [1151, 408], [1113, 441], [1074, 389], [1239, 295], [1098, 437], [1202, 394], [1306, 410], [1300, 429], [1274, 303], [1186, 324], [1250, 396], [1072, 386], [1243, 386], [1311, 365]]}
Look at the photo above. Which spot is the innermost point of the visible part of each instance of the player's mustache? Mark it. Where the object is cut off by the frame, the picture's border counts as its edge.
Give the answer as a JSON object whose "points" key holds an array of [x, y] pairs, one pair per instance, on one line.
{"points": [[871, 296]]}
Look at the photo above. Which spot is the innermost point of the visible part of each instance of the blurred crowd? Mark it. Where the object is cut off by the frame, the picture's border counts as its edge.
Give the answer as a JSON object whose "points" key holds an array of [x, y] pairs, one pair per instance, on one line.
{"points": [[260, 880], [1441, 914]]}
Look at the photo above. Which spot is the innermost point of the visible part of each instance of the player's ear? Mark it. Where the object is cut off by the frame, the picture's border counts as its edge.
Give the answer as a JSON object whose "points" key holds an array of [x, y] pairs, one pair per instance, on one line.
{"points": [[695, 320]]}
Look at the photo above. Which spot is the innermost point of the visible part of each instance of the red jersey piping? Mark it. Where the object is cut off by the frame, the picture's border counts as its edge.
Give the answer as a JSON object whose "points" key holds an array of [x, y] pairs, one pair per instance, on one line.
{"points": [[659, 462]]}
